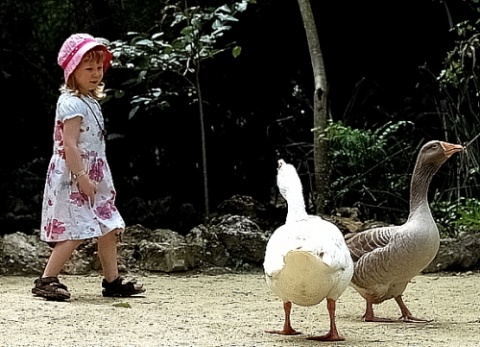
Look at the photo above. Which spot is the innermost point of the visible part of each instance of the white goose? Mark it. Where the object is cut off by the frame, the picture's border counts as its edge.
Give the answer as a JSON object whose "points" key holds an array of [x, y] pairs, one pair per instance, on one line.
{"points": [[306, 259], [387, 258]]}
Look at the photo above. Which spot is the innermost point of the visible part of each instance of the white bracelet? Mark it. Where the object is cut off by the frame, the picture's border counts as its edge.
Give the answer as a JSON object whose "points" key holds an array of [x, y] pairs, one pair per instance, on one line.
{"points": [[79, 173]]}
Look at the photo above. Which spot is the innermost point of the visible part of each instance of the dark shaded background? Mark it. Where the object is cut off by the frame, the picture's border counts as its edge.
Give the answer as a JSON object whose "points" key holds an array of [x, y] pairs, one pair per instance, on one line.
{"points": [[381, 59]]}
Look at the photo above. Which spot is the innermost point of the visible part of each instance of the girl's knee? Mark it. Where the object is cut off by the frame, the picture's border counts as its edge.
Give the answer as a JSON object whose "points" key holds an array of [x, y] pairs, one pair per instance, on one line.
{"points": [[117, 231], [112, 234]]}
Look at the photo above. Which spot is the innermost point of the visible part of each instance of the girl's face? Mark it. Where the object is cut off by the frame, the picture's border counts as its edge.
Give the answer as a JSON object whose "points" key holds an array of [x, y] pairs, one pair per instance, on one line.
{"points": [[89, 73]]}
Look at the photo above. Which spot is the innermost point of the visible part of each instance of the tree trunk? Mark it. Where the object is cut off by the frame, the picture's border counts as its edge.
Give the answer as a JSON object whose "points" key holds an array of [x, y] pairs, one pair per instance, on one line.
{"points": [[320, 145], [203, 139]]}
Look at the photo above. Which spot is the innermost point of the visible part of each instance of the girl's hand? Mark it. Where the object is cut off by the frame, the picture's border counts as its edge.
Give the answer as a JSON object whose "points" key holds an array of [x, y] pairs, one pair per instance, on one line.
{"points": [[88, 187]]}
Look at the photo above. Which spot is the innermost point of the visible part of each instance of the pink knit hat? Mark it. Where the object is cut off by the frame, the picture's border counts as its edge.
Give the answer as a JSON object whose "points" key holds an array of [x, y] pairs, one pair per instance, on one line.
{"points": [[73, 50]]}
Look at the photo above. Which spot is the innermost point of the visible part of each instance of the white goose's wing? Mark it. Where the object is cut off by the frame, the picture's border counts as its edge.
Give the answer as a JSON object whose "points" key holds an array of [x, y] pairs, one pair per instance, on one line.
{"points": [[279, 244], [313, 235]]}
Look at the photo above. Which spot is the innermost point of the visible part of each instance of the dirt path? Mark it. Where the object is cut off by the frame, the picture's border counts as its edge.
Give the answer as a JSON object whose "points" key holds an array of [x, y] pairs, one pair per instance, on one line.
{"points": [[230, 310]]}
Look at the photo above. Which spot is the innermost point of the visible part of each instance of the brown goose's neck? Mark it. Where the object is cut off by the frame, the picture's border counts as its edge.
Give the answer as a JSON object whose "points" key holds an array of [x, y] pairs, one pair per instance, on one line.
{"points": [[421, 178]]}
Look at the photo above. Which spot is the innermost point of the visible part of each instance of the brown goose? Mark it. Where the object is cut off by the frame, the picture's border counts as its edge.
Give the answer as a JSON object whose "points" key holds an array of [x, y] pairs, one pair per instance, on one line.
{"points": [[387, 258], [306, 259]]}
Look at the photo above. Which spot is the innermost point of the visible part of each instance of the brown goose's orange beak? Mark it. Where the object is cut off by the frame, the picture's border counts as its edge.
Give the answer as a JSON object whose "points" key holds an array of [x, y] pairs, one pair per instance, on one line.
{"points": [[450, 148]]}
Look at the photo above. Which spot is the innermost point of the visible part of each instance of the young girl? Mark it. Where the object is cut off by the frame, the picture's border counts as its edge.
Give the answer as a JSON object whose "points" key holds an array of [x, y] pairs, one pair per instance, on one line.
{"points": [[79, 196]]}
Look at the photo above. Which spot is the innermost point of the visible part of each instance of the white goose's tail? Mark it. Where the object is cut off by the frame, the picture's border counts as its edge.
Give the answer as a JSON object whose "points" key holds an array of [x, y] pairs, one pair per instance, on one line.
{"points": [[305, 279]]}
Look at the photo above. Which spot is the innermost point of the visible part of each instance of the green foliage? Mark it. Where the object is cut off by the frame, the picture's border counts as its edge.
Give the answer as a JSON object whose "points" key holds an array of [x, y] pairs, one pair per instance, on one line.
{"points": [[459, 216], [469, 216], [163, 60], [154, 71], [167, 60], [461, 60], [358, 147], [457, 210], [364, 171], [236, 51], [458, 106]]}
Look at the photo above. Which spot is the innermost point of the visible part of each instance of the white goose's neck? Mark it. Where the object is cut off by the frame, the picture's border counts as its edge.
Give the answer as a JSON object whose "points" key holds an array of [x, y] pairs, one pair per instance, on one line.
{"points": [[296, 206]]}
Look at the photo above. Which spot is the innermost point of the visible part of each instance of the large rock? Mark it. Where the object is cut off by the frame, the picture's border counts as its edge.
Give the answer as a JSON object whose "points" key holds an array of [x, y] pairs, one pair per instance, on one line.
{"points": [[22, 254], [242, 238], [161, 250], [168, 258], [228, 241], [457, 254], [214, 251]]}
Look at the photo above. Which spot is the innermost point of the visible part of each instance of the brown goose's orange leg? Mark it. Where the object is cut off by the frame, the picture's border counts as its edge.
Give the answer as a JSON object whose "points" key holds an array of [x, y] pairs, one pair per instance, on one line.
{"points": [[369, 316]]}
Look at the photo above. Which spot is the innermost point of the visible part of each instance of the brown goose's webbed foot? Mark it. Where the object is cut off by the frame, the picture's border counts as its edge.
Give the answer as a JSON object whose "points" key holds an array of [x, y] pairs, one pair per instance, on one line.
{"points": [[378, 319], [407, 316], [411, 319]]}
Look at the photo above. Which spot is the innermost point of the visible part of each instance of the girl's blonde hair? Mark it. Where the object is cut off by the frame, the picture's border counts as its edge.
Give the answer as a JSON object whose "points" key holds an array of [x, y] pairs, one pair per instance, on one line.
{"points": [[70, 86]]}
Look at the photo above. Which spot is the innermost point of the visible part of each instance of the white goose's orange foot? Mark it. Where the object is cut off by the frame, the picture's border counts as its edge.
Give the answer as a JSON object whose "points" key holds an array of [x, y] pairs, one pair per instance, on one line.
{"points": [[327, 337], [284, 332]]}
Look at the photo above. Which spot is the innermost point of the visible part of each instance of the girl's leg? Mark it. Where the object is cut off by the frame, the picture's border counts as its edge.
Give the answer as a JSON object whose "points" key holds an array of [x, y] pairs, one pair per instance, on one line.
{"points": [[48, 286], [60, 255], [113, 284], [107, 252]]}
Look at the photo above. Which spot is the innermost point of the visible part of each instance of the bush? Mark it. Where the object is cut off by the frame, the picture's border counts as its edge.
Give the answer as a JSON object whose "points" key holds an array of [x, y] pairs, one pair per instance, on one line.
{"points": [[457, 217], [367, 171]]}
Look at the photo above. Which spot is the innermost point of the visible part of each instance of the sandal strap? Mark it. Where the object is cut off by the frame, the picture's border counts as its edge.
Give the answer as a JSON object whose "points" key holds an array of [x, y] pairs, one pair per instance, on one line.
{"points": [[125, 281], [50, 288], [122, 286], [120, 281], [52, 281], [59, 285]]}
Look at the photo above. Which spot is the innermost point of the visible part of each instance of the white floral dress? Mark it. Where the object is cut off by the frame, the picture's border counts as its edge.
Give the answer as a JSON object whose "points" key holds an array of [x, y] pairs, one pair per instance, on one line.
{"points": [[66, 211]]}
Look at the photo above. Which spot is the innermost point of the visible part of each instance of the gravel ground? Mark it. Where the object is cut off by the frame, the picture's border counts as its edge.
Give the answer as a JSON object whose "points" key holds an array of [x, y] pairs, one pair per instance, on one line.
{"points": [[230, 310]]}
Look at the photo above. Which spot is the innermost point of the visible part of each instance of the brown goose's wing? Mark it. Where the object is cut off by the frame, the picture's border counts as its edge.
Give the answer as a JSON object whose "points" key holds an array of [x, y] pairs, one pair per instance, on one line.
{"points": [[366, 241]]}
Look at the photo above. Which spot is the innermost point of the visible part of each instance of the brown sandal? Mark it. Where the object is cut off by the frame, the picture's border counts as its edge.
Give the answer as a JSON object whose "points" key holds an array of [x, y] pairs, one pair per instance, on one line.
{"points": [[50, 288], [121, 287]]}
